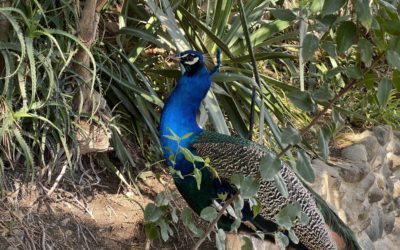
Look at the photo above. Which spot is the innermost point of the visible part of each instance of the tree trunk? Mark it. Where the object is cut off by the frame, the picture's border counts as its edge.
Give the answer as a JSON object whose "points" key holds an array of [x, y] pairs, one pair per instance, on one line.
{"points": [[91, 137]]}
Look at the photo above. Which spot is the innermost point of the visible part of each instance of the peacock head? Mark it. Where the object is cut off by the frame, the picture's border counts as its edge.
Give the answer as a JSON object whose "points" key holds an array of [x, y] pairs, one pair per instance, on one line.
{"points": [[191, 60]]}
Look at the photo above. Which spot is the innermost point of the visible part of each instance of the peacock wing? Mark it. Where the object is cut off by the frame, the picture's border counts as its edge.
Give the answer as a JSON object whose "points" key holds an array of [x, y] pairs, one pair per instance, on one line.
{"points": [[230, 155]]}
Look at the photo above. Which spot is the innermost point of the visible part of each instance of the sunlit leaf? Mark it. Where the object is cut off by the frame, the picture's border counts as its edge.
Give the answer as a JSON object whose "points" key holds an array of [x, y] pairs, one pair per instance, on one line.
{"points": [[187, 153], [317, 5], [197, 175]]}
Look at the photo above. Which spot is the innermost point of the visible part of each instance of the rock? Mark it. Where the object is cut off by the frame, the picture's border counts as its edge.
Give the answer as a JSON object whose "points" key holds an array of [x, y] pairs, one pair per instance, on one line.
{"points": [[389, 222], [397, 133], [394, 146], [385, 244], [393, 161], [396, 175], [397, 205], [379, 160], [384, 134], [385, 170], [367, 182], [353, 171], [375, 194], [371, 144], [327, 183], [387, 201], [375, 229], [363, 221], [356, 152], [321, 167], [355, 205], [365, 242], [396, 189], [389, 185]]}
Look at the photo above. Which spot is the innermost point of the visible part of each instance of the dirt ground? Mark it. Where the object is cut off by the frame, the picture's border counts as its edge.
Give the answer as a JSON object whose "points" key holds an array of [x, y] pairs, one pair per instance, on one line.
{"points": [[104, 218]]}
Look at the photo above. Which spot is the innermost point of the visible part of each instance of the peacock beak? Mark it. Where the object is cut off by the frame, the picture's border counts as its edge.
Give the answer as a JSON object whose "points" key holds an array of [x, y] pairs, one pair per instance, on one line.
{"points": [[174, 58]]}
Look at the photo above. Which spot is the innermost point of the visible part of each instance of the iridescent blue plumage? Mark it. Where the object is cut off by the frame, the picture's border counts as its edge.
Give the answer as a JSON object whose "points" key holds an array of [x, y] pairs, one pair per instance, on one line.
{"points": [[179, 113], [233, 155]]}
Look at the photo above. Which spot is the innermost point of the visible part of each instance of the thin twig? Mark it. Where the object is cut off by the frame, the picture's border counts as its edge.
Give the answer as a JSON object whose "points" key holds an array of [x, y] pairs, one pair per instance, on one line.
{"points": [[330, 104], [320, 114], [59, 177], [214, 222]]}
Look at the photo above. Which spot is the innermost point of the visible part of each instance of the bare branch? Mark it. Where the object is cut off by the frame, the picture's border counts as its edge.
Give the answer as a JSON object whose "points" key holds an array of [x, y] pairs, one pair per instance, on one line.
{"points": [[214, 222]]}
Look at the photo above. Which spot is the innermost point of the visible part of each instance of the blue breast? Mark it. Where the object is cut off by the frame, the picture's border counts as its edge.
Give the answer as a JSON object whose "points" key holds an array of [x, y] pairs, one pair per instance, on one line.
{"points": [[179, 115]]}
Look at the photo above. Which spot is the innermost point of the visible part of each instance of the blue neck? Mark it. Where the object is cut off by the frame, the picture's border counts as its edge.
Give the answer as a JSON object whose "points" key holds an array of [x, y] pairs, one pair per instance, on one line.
{"points": [[179, 113]]}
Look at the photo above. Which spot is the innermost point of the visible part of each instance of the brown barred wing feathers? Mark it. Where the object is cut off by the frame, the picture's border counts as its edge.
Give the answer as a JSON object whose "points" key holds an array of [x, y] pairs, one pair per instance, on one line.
{"points": [[230, 155]]}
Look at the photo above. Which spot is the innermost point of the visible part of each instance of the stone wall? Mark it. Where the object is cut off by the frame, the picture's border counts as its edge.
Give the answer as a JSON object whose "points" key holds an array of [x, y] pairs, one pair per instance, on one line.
{"points": [[362, 183]]}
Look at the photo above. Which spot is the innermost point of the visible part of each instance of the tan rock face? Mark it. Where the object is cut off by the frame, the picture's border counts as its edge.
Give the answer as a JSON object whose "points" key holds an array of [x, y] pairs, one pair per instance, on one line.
{"points": [[364, 186]]}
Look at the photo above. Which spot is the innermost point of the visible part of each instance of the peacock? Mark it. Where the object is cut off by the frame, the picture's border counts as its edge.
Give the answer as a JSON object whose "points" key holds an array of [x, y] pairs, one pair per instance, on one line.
{"points": [[229, 155]]}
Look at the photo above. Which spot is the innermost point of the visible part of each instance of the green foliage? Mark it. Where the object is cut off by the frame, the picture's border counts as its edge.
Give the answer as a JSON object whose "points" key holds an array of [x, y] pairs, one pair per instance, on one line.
{"points": [[208, 214], [304, 167], [270, 166], [310, 45], [248, 244], [282, 240], [291, 136], [187, 219], [220, 239], [157, 216]]}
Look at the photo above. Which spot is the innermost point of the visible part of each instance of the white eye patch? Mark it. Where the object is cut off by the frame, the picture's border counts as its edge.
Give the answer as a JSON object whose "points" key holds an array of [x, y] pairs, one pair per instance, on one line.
{"points": [[195, 60]]}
